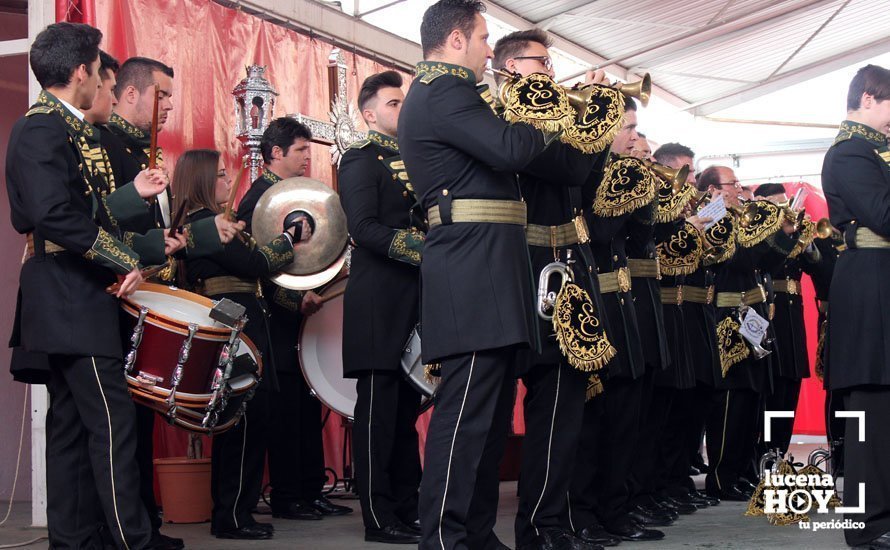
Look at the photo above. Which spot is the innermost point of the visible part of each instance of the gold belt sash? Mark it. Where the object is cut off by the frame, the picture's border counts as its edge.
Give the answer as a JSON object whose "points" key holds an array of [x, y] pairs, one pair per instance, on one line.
{"points": [[866, 238], [227, 284], [482, 211], [788, 286], [49, 247], [749, 297], [644, 268], [697, 294], [558, 236], [672, 295], [614, 281]]}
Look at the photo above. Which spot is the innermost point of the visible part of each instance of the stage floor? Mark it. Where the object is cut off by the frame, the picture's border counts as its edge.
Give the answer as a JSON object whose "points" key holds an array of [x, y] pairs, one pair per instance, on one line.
{"points": [[723, 526]]}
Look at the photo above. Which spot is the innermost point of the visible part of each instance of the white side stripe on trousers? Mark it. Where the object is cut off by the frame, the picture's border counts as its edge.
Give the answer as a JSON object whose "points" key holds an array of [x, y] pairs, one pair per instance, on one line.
{"points": [[110, 454], [370, 469], [451, 452], [549, 450], [240, 472]]}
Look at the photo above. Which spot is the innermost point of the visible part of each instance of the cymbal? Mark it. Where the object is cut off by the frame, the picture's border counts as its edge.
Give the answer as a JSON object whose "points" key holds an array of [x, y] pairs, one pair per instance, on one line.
{"points": [[326, 246]]}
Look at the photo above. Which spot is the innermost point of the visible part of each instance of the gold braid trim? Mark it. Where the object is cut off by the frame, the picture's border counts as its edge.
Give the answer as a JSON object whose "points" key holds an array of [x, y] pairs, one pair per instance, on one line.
{"points": [[820, 350], [582, 338], [766, 220], [594, 387], [596, 128], [722, 238], [537, 100], [105, 247], [807, 234], [626, 186], [670, 202], [427, 71], [383, 140], [681, 252], [730, 344]]}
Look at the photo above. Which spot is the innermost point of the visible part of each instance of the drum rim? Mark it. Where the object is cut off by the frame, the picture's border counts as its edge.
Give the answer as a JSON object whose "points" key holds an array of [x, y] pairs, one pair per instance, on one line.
{"points": [[166, 322], [300, 349]]}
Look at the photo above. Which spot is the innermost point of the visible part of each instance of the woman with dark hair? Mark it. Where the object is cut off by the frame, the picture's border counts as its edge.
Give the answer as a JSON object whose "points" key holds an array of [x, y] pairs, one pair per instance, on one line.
{"points": [[203, 186]]}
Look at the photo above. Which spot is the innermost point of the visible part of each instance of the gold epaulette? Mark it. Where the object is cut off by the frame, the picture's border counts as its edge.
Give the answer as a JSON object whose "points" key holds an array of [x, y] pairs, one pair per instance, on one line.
{"points": [[842, 136], [40, 110], [360, 144]]}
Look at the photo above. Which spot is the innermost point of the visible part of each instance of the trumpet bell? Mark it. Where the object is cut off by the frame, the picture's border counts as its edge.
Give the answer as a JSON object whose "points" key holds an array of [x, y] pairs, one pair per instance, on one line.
{"points": [[675, 176], [641, 89], [825, 230]]}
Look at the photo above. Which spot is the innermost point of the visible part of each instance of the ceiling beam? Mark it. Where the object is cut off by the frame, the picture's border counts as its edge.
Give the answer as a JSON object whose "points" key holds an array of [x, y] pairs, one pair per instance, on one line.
{"points": [[790, 78], [551, 16], [337, 27], [573, 49]]}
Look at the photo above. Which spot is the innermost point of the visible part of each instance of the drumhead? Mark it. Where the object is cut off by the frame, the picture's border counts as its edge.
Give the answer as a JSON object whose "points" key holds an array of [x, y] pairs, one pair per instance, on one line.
{"points": [[176, 306], [321, 354]]}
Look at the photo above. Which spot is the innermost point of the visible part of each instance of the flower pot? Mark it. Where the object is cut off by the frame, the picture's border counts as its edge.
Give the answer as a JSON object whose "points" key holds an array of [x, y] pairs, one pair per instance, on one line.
{"points": [[185, 489]]}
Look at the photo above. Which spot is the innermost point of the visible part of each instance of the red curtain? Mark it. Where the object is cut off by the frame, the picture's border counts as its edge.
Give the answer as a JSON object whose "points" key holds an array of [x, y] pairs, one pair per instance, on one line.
{"points": [[76, 11]]}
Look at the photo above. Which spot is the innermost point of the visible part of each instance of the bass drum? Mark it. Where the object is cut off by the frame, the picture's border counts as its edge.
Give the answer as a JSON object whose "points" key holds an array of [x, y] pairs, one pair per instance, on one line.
{"points": [[321, 353]]}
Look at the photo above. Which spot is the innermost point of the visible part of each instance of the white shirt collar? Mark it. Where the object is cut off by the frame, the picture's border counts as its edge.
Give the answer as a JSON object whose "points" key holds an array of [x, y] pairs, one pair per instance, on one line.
{"points": [[72, 108]]}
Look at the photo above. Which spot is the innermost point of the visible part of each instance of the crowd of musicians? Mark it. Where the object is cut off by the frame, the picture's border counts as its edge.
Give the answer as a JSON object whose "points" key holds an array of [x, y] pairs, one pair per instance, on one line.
{"points": [[465, 209]]}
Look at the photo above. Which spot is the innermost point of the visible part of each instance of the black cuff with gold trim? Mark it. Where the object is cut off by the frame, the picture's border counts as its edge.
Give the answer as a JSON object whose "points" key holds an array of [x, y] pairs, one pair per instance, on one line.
{"points": [[407, 246], [278, 252], [203, 238], [113, 254]]}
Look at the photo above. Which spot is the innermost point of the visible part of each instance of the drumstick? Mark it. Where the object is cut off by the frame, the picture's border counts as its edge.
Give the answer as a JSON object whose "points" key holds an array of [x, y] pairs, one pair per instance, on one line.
{"points": [[232, 193], [153, 143], [333, 295], [146, 273], [177, 219]]}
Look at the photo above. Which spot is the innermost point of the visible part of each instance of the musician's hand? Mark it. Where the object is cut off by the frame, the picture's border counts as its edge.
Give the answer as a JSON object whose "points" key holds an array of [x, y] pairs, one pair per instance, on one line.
{"points": [[596, 77], [788, 227], [227, 228], [174, 242], [699, 221], [129, 284], [150, 183], [298, 226], [312, 302]]}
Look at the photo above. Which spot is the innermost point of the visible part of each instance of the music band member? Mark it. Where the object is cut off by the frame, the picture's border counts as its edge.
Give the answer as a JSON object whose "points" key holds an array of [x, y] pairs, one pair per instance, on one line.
{"points": [[856, 179], [380, 309], [599, 494], [555, 390], [56, 195], [202, 185], [476, 302], [296, 456]]}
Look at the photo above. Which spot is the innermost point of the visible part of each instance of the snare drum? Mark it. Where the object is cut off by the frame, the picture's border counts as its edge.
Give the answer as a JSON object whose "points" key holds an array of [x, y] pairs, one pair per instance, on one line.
{"points": [[321, 354], [171, 330]]}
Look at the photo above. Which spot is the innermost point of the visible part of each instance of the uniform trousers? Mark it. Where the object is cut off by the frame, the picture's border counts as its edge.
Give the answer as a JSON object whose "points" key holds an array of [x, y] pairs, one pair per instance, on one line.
{"points": [[865, 462], [784, 398], [385, 448], [609, 436], [91, 468], [465, 442], [554, 411], [731, 435], [145, 427], [654, 407], [672, 475]]}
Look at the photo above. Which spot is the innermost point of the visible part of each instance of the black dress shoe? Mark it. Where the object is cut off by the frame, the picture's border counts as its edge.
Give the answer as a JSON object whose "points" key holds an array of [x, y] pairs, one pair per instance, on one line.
{"points": [[163, 542], [327, 508], [712, 501], [688, 500], [392, 534], [648, 518], [745, 488], [629, 530], [267, 526], [296, 510], [595, 534], [245, 532], [680, 507], [693, 471], [412, 525], [730, 493], [879, 543], [558, 539], [650, 504]]}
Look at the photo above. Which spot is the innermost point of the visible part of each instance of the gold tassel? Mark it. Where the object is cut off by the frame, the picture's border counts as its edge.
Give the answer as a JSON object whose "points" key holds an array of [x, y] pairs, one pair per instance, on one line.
{"points": [[594, 387]]}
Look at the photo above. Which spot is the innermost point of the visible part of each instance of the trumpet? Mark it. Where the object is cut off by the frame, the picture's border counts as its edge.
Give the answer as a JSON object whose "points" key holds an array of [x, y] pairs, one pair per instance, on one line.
{"points": [[579, 97], [745, 213], [675, 176], [794, 217], [824, 230], [547, 297]]}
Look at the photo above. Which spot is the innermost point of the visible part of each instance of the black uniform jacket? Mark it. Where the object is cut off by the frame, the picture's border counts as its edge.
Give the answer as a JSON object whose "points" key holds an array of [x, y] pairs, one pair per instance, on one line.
{"points": [[381, 304], [476, 280], [63, 307], [551, 186], [608, 238], [856, 181], [701, 329], [788, 322], [248, 261], [647, 290]]}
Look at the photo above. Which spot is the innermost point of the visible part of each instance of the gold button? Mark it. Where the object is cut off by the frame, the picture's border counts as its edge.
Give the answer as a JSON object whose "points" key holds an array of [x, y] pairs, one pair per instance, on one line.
{"points": [[379, 157], [405, 194], [615, 258], [445, 192], [621, 300], [395, 177], [589, 269]]}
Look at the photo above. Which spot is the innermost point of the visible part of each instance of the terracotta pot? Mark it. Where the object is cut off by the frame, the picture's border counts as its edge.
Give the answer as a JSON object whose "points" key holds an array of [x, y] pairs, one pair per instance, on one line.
{"points": [[185, 489]]}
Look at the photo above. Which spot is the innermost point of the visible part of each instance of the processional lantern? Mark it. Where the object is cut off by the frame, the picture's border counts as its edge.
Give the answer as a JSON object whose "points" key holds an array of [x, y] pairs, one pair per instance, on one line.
{"points": [[254, 106]]}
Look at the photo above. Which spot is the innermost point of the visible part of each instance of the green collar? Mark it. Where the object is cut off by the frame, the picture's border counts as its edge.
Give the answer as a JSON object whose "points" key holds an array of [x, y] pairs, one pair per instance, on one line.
{"points": [[384, 141], [857, 129], [140, 136], [427, 71], [76, 127], [270, 176]]}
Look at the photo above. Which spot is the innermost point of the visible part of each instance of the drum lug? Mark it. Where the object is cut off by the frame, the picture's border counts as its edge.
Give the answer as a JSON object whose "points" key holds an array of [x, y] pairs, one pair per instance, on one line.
{"points": [[136, 340], [177, 372], [219, 397]]}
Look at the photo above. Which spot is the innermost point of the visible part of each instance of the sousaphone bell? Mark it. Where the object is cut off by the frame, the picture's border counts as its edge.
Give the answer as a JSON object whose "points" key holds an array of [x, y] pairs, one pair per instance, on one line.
{"points": [[320, 258]]}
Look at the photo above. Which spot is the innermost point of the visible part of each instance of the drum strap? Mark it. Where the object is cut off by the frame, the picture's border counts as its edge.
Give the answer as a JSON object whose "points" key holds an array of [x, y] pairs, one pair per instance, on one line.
{"points": [[227, 284]]}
